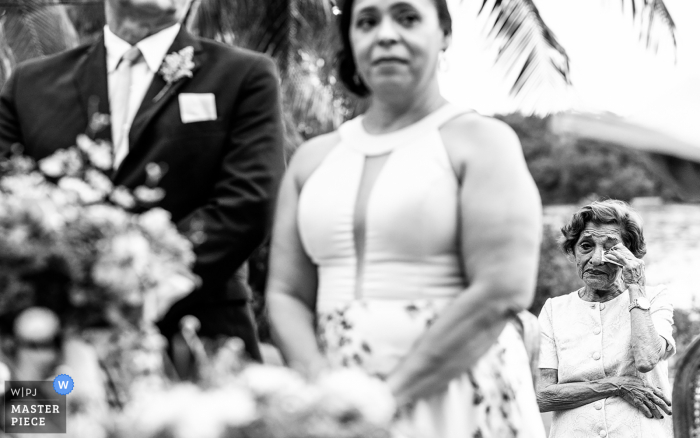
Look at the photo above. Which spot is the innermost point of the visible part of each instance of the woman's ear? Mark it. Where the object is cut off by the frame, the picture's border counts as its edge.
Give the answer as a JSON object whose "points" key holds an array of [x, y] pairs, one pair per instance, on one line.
{"points": [[446, 41]]}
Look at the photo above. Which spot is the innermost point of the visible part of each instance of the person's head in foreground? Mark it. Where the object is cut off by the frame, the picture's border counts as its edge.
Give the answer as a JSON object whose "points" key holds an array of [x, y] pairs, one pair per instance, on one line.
{"points": [[603, 363], [390, 49]]}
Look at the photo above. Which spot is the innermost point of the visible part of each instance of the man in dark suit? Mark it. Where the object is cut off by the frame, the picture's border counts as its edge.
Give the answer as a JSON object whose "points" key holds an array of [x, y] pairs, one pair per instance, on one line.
{"points": [[212, 122]]}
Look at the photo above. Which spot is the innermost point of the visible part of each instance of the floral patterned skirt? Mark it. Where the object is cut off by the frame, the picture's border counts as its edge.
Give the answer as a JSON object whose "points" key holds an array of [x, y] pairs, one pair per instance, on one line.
{"points": [[493, 399]]}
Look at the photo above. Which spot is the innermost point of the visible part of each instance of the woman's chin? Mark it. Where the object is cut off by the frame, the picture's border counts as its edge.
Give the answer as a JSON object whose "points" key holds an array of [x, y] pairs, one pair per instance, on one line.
{"points": [[598, 283]]}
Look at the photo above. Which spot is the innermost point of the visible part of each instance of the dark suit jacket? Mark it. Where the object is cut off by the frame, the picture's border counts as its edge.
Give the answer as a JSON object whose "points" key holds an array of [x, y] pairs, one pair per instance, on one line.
{"points": [[222, 174]]}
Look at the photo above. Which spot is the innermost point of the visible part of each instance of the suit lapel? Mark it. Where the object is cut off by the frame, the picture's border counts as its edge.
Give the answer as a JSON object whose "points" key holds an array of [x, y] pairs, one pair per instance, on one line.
{"points": [[91, 81], [149, 106]]}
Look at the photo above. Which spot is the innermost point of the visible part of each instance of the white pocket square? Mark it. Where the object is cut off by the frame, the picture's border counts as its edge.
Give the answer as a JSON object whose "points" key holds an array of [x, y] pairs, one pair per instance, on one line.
{"points": [[197, 107]]}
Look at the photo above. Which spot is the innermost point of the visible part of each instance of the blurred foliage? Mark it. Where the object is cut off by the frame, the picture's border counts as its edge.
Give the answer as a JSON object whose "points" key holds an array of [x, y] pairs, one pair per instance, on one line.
{"points": [[686, 327], [567, 170], [556, 274]]}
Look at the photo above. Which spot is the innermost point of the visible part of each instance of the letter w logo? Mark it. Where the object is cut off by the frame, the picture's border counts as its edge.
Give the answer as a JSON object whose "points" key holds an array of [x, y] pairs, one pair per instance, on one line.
{"points": [[63, 385]]}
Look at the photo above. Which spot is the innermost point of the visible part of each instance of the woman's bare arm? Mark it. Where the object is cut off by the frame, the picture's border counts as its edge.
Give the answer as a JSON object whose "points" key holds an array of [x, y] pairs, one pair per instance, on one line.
{"points": [[500, 220], [292, 277], [552, 396]]}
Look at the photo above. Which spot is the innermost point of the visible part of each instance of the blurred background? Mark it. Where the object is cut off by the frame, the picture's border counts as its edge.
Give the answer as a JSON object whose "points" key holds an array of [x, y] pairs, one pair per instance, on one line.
{"points": [[604, 95]]}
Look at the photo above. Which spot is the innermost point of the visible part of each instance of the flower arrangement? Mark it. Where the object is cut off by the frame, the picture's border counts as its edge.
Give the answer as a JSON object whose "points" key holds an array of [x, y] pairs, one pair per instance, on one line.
{"points": [[69, 241], [239, 400], [75, 255]]}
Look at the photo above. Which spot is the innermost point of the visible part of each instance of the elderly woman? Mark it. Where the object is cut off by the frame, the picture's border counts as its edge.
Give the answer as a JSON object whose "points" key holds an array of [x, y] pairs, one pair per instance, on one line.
{"points": [[603, 367]]}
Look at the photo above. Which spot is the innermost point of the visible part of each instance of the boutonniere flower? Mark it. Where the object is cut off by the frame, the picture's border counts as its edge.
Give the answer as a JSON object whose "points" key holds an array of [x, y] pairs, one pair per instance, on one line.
{"points": [[175, 66]]}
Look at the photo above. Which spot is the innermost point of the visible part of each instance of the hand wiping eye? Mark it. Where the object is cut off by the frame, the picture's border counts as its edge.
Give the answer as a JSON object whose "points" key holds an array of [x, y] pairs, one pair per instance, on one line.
{"points": [[607, 260]]}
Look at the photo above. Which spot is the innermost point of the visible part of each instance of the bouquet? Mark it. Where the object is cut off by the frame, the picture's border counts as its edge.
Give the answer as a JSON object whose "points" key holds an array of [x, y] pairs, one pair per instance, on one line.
{"points": [[70, 241], [83, 260]]}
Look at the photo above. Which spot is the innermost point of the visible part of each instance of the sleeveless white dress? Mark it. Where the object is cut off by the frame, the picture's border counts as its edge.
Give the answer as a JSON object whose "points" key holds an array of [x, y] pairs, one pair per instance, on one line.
{"points": [[372, 307]]}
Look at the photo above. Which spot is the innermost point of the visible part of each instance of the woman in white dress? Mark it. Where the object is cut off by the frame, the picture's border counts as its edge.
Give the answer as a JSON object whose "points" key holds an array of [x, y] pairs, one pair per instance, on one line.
{"points": [[406, 241]]}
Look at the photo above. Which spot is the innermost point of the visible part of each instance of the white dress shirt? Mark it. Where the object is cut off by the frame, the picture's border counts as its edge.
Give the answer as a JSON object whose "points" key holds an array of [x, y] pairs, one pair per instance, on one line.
{"points": [[153, 49]]}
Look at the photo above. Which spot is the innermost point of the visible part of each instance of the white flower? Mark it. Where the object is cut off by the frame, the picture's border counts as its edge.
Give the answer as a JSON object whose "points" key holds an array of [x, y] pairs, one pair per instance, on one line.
{"points": [[177, 65], [53, 165], [62, 162], [107, 215], [98, 181], [74, 162], [149, 195], [185, 411], [109, 274], [86, 194], [101, 156], [155, 220], [131, 247], [266, 381], [99, 152], [122, 197], [167, 291], [350, 389], [31, 185], [37, 324]]}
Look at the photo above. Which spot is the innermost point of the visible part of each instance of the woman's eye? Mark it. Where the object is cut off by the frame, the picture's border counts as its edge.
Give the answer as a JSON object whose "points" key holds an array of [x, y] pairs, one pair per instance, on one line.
{"points": [[408, 19], [365, 23], [585, 246]]}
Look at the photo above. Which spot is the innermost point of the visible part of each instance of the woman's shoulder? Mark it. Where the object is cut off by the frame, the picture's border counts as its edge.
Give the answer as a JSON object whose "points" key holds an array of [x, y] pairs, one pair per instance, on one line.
{"points": [[563, 301], [481, 142], [311, 154], [490, 135]]}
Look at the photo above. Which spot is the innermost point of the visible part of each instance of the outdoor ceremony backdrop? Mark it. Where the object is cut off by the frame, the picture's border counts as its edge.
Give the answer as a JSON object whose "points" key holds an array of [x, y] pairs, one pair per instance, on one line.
{"points": [[613, 55]]}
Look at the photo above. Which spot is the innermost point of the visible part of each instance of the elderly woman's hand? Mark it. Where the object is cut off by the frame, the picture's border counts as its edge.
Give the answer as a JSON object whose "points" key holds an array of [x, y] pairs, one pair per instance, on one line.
{"points": [[647, 399], [632, 267]]}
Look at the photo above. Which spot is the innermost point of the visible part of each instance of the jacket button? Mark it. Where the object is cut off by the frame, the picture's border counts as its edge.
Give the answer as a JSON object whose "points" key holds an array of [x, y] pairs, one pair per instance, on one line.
{"points": [[596, 355], [598, 405]]}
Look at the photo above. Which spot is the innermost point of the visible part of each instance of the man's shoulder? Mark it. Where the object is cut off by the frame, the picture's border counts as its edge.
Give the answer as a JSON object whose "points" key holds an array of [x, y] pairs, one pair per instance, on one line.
{"points": [[55, 64], [233, 54]]}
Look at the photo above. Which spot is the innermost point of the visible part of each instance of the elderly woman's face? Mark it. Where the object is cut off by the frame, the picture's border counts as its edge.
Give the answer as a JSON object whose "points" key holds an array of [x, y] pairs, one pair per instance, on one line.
{"points": [[396, 43], [589, 249]]}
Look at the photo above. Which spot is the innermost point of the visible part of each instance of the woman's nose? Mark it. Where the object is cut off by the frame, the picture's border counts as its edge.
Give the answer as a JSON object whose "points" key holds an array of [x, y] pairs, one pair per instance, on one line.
{"points": [[387, 34], [597, 257]]}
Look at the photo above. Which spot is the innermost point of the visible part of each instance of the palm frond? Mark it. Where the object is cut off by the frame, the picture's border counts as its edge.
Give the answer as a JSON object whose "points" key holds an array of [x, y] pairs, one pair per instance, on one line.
{"points": [[528, 51], [654, 21], [35, 28]]}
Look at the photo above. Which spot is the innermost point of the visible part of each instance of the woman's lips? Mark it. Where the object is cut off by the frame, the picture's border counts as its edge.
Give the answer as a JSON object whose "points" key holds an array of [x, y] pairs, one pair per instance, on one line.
{"points": [[596, 272], [389, 60]]}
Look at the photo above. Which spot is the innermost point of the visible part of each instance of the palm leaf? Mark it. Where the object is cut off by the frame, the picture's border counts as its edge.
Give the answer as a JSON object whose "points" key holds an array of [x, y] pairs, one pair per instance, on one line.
{"points": [[33, 28], [527, 49], [654, 21]]}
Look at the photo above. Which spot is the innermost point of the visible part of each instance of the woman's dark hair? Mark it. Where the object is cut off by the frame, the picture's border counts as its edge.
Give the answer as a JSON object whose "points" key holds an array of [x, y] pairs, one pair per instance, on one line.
{"points": [[347, 70], [610, 211]]}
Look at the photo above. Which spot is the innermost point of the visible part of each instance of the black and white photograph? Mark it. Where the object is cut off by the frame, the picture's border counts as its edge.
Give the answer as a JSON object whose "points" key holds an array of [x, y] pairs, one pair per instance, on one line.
{"points": [[350, 218]]}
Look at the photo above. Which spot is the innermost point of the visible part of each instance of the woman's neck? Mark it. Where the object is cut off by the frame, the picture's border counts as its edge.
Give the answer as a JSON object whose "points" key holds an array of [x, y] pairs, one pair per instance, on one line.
{"points": [[600, 295], [384, 116]]}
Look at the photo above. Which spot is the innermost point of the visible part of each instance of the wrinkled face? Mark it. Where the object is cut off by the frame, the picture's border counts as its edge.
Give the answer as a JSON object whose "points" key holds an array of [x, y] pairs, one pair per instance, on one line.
{"points": [[396, 43], [593, 241]]}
